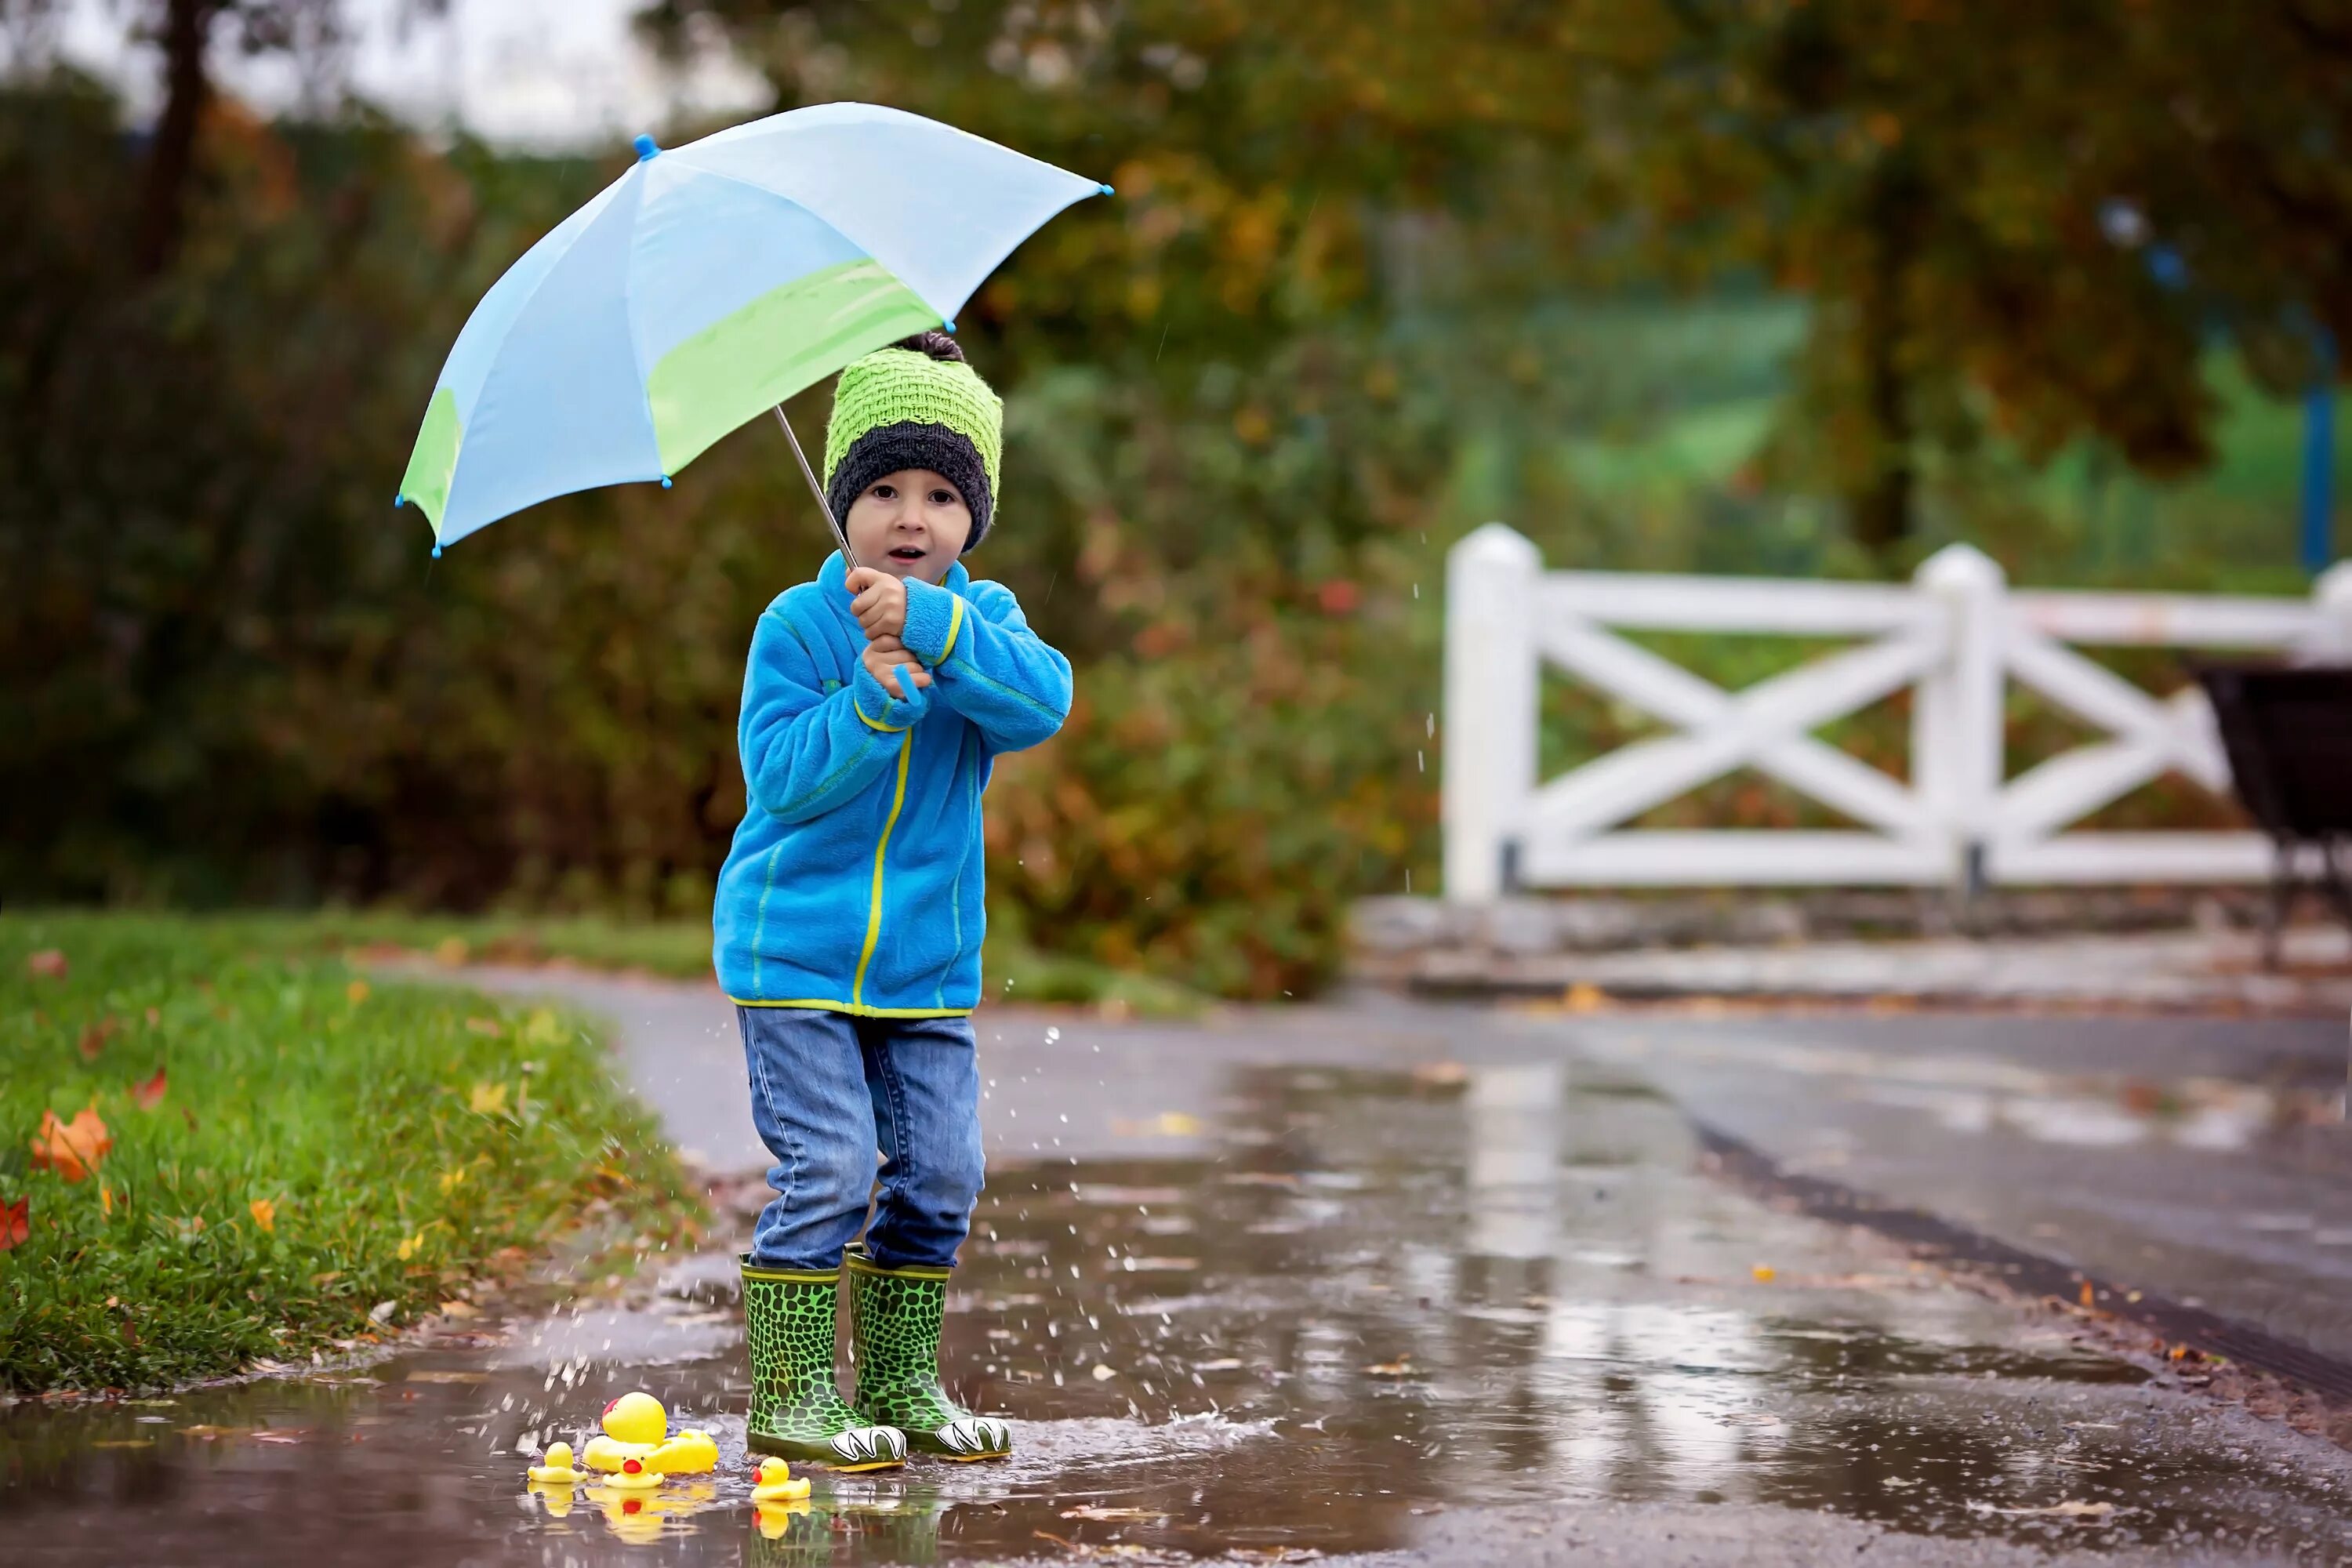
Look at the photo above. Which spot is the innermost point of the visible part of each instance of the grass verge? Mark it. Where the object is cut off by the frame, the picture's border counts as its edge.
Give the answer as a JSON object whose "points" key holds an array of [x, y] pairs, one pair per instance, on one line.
{"points": [[296, 1160], [1016, 972]]}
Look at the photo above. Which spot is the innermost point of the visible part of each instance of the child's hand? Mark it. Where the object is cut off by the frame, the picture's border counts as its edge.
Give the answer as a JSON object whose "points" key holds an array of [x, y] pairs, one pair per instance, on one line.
{"points": [[884, 658], [880, 605]]}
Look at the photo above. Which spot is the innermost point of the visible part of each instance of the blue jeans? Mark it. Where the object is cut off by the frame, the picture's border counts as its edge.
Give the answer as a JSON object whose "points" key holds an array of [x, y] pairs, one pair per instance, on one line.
{"points": [[828, 1092]]}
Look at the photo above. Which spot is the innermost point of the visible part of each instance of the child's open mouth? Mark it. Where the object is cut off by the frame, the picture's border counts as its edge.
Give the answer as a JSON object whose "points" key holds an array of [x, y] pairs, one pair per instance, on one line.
{"points": [[908, 552]]}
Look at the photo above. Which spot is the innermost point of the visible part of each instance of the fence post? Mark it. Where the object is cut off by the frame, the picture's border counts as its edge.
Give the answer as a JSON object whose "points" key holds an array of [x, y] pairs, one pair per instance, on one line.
{"points": [[1490, 706], [1956, 740], [2331, 595]]}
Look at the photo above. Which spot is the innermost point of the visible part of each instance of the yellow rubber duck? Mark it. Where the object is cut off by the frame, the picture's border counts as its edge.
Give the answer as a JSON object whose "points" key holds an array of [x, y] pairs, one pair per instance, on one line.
{"points": [[692, 1452], [636, 1418], [633, 1476], [558, 1470], [604, 1454], [776, 1484]]}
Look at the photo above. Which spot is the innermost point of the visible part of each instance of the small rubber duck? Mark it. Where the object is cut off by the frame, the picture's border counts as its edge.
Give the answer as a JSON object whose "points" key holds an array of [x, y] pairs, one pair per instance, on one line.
{"points": [[604, 1454], [557, 1471], [776, 1484], [692, 1452], [636, 1418], [632, 1477]]}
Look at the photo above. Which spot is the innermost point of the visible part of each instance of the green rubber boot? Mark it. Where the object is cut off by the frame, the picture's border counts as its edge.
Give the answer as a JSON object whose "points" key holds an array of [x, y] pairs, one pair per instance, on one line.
{"points": [[797, 1411], [895, 1316]]}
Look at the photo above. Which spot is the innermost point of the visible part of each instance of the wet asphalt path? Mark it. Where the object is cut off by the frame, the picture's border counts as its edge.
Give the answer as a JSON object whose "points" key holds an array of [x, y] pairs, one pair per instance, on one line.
{"points": [[1389, 1284]]}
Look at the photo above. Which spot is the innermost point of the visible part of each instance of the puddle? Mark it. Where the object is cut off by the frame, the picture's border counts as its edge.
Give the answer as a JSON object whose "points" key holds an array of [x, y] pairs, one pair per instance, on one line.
{"points": [[1367, 1296]]}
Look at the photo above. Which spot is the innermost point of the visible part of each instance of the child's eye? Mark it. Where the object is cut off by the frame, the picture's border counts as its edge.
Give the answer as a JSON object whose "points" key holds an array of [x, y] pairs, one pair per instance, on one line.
{"points": [[884, 492], [943, 497]]}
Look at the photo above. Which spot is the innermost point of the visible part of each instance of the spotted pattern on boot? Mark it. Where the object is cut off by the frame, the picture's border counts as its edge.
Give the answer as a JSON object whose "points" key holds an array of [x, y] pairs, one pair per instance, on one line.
{"points": [[894, 1318], [797, 1411]]}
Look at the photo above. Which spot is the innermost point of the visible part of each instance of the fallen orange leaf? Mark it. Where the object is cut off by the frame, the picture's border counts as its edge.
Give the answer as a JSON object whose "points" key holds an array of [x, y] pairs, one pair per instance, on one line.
{"points": [[264, 1213], [14, 1225], [148, 1094], [2086, 1292], [49, 964], [72, 1149]]}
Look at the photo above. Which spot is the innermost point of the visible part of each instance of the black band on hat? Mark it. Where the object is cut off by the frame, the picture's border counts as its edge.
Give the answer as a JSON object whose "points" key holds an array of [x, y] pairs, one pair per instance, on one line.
{"points": [[887, 448]]}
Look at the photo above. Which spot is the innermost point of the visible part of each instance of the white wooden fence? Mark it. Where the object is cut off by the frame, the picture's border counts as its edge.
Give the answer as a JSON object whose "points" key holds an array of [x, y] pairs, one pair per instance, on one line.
{"points": [[1958, 633]]}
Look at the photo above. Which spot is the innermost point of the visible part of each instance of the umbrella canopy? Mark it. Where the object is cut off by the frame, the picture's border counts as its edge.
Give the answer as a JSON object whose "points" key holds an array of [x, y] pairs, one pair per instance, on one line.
{"points": [[710, 282]]}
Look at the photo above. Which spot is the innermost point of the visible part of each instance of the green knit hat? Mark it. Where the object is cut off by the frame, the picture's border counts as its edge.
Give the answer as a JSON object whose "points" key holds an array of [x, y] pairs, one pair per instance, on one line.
{"points": [[914, 404]]}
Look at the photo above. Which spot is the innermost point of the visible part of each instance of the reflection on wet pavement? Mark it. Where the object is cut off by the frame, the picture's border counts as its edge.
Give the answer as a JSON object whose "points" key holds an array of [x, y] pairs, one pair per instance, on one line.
{"points": [[1378, 1295]]}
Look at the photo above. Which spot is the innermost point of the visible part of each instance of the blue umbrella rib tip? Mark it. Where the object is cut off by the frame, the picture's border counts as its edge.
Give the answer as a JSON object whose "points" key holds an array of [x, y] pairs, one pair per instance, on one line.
{"points": [[400, 501], [647, 147], [665, 482], [1105, 190]]}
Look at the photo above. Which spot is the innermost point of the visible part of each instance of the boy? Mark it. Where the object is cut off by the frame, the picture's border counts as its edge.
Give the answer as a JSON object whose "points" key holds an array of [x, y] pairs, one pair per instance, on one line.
{"points": [[849, 912]]}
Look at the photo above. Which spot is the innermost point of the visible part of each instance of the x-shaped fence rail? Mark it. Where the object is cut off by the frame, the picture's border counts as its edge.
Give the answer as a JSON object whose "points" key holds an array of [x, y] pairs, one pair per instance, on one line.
{"points": [[1956, 634]]}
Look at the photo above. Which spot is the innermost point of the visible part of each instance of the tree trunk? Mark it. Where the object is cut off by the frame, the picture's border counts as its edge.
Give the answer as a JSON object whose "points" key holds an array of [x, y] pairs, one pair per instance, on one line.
{"points": [[171, 154], [1880, 503]]}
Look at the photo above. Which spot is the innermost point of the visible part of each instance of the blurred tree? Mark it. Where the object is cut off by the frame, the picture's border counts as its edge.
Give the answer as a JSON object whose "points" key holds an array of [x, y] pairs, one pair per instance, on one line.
{"points": [[185, 31], [2014, 218], [1971, 193]]}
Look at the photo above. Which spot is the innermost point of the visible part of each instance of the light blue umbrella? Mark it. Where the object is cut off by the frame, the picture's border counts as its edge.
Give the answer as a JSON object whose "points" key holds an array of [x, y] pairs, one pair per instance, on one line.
{"points": [[710, 282]]}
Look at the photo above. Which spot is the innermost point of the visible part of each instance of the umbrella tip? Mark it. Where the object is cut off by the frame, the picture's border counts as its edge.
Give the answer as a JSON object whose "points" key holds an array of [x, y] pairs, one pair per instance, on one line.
{"points": [[437, 549], [665, 482], [400, 501], [647, 147], [947, 326], [1105, 190]]}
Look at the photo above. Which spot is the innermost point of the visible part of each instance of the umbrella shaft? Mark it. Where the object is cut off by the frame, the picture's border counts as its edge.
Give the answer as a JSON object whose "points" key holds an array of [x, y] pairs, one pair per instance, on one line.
{"points": [[817, 490]]}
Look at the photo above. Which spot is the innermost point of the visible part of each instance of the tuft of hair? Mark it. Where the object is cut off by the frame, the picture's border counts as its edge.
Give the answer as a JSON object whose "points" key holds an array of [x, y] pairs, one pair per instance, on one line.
{"points": [[934, 342]]}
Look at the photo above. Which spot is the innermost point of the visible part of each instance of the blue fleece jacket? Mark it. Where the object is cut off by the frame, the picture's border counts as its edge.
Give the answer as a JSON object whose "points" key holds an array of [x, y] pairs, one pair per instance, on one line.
{"points": [[858, 879]]}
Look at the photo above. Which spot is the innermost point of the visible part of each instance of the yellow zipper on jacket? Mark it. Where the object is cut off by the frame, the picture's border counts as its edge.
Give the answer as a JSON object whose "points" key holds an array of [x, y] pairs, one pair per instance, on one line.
{"points": [[874, 915]]}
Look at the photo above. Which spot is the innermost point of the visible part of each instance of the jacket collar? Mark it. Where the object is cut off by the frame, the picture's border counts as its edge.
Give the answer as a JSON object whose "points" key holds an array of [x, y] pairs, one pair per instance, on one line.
{"points": [[834, 578]]}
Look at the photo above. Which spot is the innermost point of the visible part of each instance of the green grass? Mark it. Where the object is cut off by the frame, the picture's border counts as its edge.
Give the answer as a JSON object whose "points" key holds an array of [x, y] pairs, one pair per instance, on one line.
{"points": [[676, 948], [412, 1142]]}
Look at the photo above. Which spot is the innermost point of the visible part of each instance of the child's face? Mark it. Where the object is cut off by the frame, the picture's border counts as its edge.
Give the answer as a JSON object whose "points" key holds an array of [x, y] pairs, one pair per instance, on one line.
{"points": [[911, 523]]}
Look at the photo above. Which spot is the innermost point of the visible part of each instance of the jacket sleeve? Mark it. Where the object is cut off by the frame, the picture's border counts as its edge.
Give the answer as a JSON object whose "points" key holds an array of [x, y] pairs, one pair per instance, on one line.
{"points": [[987, 663], [805, 752]]}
